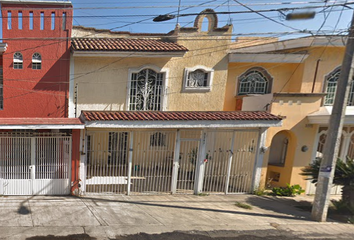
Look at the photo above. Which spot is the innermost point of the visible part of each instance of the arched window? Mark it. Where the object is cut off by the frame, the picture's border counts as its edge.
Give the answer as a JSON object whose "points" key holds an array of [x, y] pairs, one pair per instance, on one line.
{"points": [[146, 90], [18, 60], [254, 81], [331, 88], [36, 61]]}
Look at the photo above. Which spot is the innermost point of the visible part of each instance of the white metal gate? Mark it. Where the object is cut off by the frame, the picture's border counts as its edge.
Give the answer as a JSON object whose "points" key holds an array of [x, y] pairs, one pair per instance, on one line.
{"points": [[163, 161], [37, 165], [230, 161], [188, 158]]}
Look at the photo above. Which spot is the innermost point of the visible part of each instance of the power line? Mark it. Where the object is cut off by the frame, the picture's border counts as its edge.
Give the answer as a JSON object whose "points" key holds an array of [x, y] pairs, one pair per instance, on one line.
{"points": [[250, 10]]}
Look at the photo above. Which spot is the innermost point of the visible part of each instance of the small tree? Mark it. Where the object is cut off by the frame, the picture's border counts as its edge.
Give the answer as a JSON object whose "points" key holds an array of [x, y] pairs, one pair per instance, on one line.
{"points": [[343, 176]]}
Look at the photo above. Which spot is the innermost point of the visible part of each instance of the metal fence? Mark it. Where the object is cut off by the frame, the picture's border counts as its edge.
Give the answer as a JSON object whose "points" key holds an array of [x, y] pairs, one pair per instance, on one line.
{"points": [[142, 161]]}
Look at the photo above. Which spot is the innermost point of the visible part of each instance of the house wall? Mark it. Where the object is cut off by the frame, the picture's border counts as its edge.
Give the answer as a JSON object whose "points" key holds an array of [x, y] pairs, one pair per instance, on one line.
{"points": [[300, 134], [293, 78], [281, 73], [100, 83], [29, 92]]}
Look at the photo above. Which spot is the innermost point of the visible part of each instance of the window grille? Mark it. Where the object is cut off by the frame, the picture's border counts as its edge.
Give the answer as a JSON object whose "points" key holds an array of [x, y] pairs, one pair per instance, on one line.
{"points": [[36, 61], [18, 61], [158, 140], [197, 79], [146, 91], [254, 81], [331, 88]]}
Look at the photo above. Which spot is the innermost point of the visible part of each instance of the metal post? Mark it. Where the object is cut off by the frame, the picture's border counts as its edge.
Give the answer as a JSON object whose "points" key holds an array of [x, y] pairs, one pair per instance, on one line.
{"points": [[325, 177], [176, 162], [130, 163], [231, 156], [33, 163]]}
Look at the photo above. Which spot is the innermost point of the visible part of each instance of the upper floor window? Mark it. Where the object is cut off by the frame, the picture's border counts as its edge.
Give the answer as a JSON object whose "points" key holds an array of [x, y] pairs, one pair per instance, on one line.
{"points": [[146, 90], [198, 79], [254, 81], [18, 61], [331, 88], [36, 61]]}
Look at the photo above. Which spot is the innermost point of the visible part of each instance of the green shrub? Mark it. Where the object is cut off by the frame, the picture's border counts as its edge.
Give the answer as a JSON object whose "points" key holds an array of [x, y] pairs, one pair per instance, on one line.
{"points": [[288, 191], [342, 207]]}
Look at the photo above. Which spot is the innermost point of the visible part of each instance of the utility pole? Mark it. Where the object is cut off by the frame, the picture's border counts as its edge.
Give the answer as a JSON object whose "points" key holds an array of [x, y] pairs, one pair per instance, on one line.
{"points": [[331, 148]]}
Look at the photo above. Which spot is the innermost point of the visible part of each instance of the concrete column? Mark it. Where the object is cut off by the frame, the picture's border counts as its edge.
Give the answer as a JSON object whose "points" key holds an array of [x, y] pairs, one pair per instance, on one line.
{"points": [[231, 156], [176, 162], [199, 176], [345, 145], [257, 170]]}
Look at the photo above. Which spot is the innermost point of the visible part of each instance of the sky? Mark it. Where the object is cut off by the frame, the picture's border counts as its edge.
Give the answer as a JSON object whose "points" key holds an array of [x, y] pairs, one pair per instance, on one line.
{"points": [[136, 16]]}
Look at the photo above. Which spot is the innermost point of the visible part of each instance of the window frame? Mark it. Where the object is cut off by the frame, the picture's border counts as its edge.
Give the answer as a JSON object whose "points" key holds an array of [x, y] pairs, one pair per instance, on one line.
{"points": [[332, 74], [36, 62], [18, 61], [263, 72], [209, 79], [164, 71]]}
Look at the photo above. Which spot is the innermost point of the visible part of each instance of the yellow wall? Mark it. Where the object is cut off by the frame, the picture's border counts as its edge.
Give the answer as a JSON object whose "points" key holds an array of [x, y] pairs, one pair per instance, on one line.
{"points": [[102, 81], [292, 78], [279, 72], [301, 134]]}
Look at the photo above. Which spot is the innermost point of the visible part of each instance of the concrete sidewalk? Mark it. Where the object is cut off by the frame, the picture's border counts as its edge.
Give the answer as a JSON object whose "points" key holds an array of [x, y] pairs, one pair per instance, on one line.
{"points": [[106, 216]]}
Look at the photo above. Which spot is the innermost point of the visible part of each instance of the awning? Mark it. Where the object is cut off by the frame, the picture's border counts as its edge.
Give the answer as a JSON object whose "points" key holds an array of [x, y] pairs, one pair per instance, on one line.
{"points": [[41, 123], [179, 119]]}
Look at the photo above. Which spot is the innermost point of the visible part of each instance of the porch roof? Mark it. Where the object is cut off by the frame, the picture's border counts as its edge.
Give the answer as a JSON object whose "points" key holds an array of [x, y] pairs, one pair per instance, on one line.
{"points": [[323, 115], [179, 119], [41, 123]]}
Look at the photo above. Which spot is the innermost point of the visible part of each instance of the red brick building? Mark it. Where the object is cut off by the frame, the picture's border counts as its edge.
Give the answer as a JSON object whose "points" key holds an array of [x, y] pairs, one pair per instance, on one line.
{"points": [[39, 145]]}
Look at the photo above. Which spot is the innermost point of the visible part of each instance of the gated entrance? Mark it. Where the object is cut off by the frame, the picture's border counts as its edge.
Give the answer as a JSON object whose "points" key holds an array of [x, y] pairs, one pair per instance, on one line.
{"points": [[188, 158], [34, 165], [165, 161]]}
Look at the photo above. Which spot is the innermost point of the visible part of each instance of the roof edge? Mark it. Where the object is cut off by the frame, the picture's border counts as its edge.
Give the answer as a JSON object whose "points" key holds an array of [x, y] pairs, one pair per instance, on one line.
{"points": [[46, 2]]}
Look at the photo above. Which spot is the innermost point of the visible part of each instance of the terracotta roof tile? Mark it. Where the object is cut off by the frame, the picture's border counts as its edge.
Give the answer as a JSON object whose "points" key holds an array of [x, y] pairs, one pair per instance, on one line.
{"points": [[176, 116], [125, 44], [40, 121]]}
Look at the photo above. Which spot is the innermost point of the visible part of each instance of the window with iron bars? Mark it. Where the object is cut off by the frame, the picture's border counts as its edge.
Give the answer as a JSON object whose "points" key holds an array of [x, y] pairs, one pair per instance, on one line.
{"points": [[117, 147], [254, 81], [331, 88], [198, 79], [146, 91], [158, 140]]}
